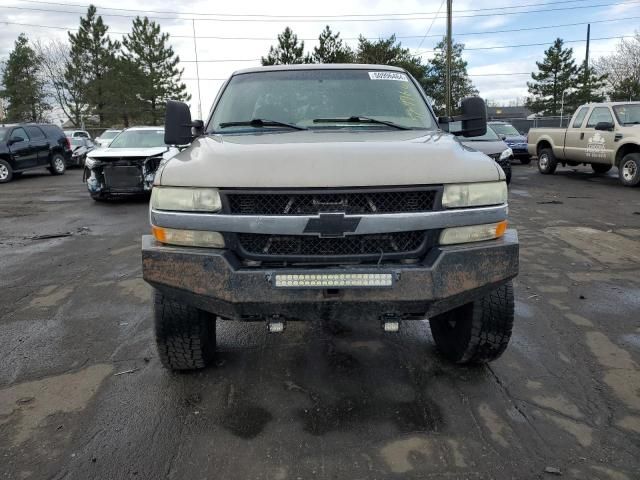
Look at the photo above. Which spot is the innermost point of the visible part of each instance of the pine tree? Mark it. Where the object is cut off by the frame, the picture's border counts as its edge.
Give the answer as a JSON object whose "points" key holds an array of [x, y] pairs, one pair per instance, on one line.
{"points": [[93, 55], [435, 84], [389, 52], [331, 49], [288, 51], [24, 90], [557, 73], [589, 87], [147, 47]]}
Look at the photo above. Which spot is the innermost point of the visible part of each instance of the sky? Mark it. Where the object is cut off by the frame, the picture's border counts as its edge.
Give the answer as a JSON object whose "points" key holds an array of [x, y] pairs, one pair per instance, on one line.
{"points": [[240, 32]]}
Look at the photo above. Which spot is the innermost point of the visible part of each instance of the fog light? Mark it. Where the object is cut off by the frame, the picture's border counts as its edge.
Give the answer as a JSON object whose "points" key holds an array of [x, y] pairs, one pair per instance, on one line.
{"points": [[473, 233], [188, 238], [334, 280], [275, 327], [391, 327]]}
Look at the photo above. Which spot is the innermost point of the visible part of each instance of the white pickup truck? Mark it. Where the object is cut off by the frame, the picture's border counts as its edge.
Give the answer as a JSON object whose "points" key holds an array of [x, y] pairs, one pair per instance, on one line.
{"points": [[602, 135]]}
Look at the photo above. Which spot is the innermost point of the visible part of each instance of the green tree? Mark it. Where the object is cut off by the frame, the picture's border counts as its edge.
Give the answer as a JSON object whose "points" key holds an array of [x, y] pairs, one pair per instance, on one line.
{"points": [[147, 47], [125, 104], [390, 52], [557, 73], [589, 87], [93, 54], [289, 50], [24, 90], [436, 77], [331, 49]]}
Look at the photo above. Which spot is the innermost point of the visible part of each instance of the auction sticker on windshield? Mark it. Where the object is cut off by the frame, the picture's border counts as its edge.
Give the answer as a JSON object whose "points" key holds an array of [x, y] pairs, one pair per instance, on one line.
{"points": [[401, 77]]}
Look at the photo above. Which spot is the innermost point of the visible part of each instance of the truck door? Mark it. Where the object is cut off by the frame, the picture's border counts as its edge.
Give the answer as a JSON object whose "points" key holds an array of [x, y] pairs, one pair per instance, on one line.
{"points": [[24, 155], [574, 142], [40, 143], [599, 143]]}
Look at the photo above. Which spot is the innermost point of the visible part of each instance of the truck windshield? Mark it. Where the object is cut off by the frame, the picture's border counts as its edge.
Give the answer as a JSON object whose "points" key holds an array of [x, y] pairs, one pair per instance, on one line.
{"points": [[504, 129], [139, 139], [628, 114], [298, 97]]}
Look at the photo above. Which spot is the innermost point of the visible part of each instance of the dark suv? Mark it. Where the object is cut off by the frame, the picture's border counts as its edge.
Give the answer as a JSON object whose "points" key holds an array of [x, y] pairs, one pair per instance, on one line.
{"points": [[27, 146]]}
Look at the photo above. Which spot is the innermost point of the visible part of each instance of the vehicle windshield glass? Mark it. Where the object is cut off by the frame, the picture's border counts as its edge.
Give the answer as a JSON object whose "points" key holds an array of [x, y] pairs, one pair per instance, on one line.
{"points": [[504, 129], [77, 142], [139, 139], [109, 134], [300, 96], [628, 114]]}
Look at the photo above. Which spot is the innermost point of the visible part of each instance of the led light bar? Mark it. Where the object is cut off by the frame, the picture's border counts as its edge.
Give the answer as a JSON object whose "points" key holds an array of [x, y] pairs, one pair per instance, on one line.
{"points": [[332, 280]]}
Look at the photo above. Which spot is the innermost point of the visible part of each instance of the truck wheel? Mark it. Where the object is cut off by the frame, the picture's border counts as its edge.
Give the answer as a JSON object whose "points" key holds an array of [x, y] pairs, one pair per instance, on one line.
{"points": [[6, 172], [629, 170], [600, 167], [58, 165], [477, 332], [525, 160], [547, 162], [186, 336]]}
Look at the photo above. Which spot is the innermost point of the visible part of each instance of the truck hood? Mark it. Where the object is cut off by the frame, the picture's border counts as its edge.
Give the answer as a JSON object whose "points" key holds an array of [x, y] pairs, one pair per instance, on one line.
{"points": [[127, 152], [326, 159]]}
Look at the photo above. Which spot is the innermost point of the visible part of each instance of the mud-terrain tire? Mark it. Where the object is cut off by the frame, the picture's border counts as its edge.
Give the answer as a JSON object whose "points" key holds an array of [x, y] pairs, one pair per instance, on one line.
{"points": [[477, 332], [547, 162], [6, 172], [185, 336], [629, 170], [58, 164], [525, 160], [600, 168]]}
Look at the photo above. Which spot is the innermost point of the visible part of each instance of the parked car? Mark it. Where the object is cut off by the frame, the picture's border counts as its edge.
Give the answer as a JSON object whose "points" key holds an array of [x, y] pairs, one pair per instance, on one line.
{"points": [[493, 146], [602, 135], [77, 134], [315, 190], [128, 165], [80, 147], [516, 141], [28, 146], [105, 137]]}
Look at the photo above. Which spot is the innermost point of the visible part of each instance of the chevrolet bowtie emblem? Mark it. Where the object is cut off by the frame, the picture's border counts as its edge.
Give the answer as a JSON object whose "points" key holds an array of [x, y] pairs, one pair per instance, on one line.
{"points": [[332, 225]]}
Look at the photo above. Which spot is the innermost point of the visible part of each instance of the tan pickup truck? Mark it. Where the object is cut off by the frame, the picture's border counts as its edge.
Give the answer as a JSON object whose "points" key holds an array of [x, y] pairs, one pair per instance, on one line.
{"points": [[603, 135]]}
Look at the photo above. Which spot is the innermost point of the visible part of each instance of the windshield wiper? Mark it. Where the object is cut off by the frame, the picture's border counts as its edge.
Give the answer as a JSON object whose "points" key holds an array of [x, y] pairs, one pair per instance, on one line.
{"points": [[360, 119], [262, 122]]}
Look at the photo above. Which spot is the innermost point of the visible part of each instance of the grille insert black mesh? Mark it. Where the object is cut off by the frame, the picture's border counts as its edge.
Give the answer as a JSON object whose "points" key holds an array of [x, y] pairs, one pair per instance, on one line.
{"points": [[311, 203], [352, 245]]}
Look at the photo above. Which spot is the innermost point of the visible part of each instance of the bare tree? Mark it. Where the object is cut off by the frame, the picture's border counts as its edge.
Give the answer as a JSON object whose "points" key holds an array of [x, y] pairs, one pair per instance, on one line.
{"points": [[63, 89], [622, 69]]}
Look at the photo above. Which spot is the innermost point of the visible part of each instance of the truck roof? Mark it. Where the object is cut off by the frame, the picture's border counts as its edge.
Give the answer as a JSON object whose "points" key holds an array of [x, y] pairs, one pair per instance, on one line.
{"points": [[319, 66], [611, 104]]}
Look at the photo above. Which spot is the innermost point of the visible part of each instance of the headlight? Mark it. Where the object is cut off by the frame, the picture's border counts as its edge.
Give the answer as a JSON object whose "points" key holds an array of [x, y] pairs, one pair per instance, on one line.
{"points": [[474, 194], [186, 199], [506, 154], [473, 233], [188, 238]]}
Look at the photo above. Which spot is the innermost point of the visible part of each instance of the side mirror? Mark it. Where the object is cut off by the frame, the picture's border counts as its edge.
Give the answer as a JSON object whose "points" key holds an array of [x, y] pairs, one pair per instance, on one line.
{"points": [[178, 124], [15, 140], [474, 117], [606, 126], [503, 137]]}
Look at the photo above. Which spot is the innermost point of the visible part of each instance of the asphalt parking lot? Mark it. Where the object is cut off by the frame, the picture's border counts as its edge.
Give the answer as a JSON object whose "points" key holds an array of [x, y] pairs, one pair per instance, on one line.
{"points": [[83, 395]]}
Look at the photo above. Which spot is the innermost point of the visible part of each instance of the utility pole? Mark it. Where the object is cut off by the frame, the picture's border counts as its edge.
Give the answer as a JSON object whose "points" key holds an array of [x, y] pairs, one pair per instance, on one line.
{"points": [[586, 65], [195, 49], [449, 27]]}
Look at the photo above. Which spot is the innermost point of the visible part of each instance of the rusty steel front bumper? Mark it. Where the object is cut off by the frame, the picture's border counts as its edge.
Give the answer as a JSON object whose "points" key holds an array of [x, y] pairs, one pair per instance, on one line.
{"points": [[215, 281]]}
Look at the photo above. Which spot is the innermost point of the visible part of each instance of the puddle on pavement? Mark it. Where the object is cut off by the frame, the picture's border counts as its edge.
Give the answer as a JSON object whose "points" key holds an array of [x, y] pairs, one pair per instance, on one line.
{"points": [[27, 404]]}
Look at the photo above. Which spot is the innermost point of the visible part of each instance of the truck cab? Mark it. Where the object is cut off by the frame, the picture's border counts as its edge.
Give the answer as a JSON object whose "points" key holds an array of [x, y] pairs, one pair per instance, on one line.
{"points": [[313, 191]]}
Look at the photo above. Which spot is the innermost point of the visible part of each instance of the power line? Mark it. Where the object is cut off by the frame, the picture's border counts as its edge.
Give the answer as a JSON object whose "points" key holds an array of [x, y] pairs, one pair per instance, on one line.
{"points": [[432, 22], [232, 15], [324, 19], [399, 37]]}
